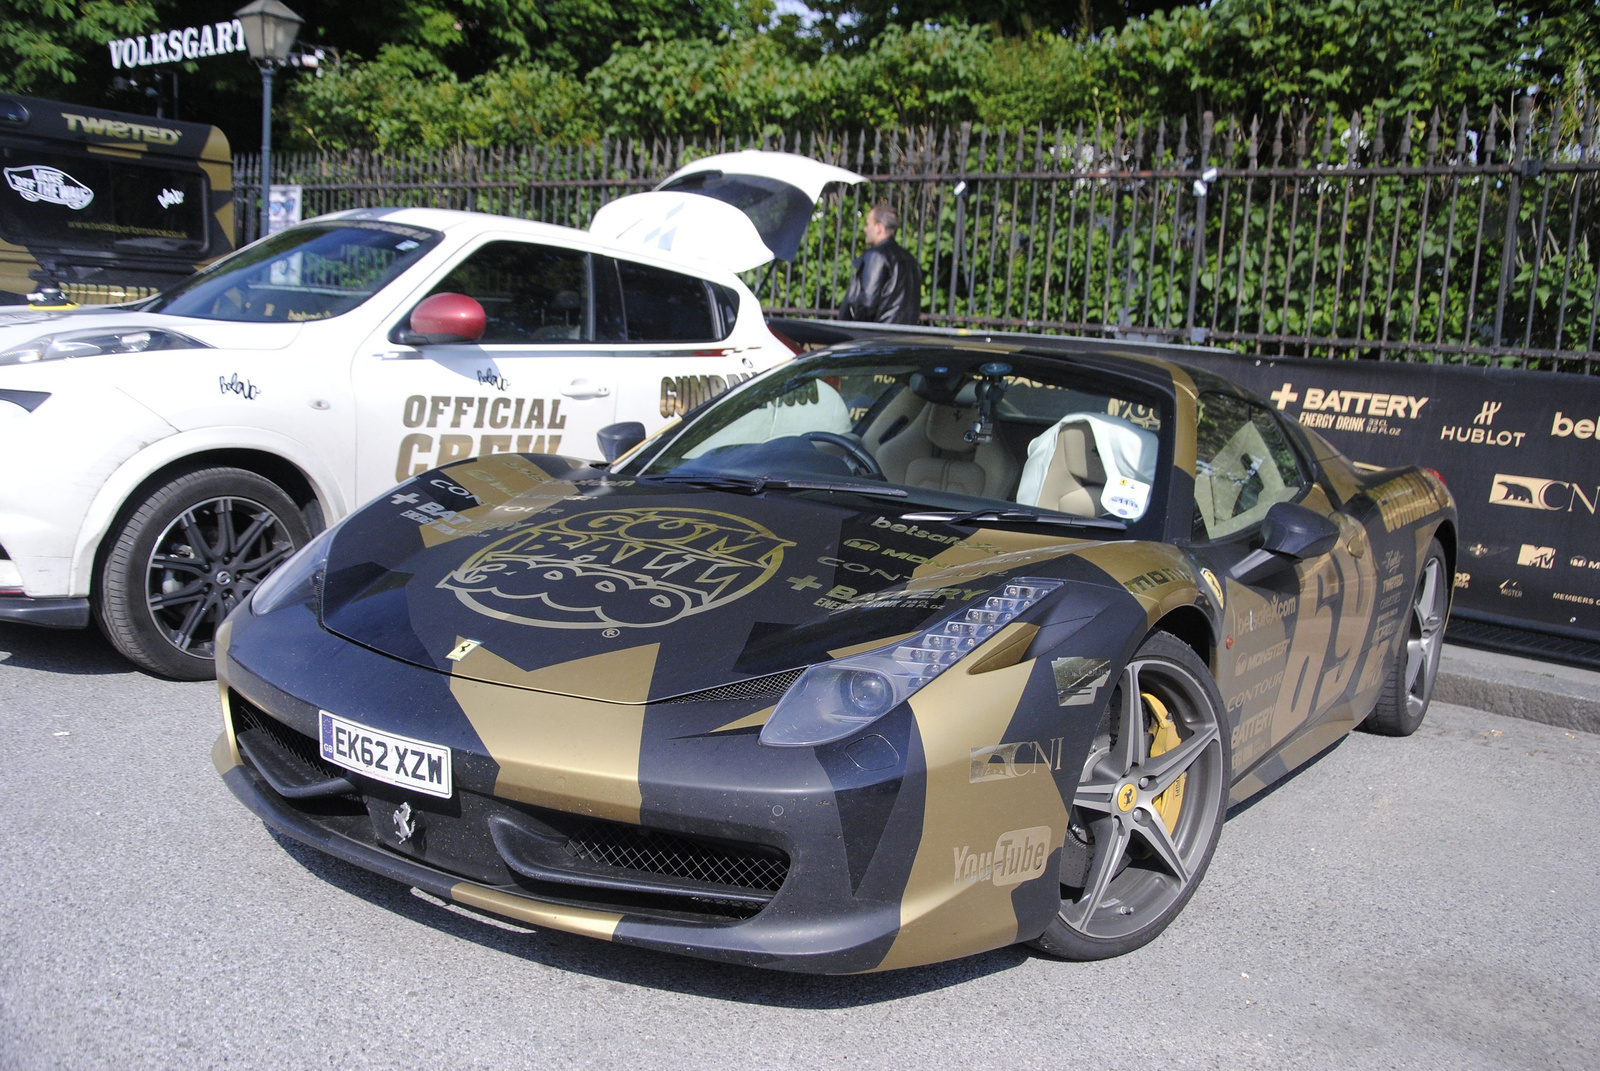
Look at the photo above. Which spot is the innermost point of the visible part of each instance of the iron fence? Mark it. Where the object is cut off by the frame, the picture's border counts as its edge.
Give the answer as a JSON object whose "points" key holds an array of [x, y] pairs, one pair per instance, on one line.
{"points": [[1318, 235]]}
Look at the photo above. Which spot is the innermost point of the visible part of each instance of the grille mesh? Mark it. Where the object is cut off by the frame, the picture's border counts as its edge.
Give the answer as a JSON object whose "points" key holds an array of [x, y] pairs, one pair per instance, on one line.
{"points": [[769, 687], [655, 852], [298, 749]]}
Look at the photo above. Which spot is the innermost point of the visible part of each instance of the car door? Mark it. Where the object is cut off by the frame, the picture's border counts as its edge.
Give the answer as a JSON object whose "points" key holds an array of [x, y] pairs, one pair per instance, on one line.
{"points": [[674, 331], [1294, 638], [537, 381]]}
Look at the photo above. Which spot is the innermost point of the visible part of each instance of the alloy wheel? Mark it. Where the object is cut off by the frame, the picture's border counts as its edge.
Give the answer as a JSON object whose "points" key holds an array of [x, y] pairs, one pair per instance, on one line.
{"points": [[1426, 641], [205, 562], [1146, 810]]}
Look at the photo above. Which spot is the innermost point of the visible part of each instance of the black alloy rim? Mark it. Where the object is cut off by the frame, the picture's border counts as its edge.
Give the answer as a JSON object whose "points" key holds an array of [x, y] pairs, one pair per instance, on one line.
{"points": [[206, 562], [1145, 847]]}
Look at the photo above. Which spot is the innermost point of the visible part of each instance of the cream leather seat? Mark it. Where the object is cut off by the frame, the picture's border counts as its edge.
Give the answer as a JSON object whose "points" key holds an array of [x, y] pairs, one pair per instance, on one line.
{"points": [[1090, 465], [922, 444], [1075, 475]]}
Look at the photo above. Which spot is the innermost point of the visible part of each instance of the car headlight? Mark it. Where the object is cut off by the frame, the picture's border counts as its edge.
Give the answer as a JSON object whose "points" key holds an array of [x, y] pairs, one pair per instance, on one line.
{"points": [[94, 343], [297, 580], [835, 699]]}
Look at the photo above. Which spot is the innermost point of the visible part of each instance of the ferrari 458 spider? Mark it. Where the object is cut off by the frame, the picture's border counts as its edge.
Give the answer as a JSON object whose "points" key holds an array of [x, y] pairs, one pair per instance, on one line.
{"points": [[896, 653]]}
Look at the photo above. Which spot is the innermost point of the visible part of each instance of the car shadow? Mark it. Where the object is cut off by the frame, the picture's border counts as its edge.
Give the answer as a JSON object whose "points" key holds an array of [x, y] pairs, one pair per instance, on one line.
{"points": [[82, 651], [1244, 805], [645, 967]]}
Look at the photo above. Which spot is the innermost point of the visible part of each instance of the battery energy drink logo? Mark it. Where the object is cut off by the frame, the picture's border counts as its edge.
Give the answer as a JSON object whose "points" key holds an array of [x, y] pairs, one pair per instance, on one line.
{"points": [[50, 185], [624, 568]]}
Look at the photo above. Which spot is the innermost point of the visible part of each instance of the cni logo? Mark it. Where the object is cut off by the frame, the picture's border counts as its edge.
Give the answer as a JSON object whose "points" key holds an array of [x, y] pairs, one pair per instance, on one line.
{"points": [[1531, 492]]}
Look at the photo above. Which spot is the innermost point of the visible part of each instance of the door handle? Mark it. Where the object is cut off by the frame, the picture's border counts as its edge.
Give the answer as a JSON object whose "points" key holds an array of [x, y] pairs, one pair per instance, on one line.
{"points": [[582, 388]]}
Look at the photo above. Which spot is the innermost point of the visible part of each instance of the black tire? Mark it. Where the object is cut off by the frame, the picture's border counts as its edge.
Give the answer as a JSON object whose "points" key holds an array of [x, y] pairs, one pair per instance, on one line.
{"points": [[184, 558], [1135, 854], [1408, 687]]}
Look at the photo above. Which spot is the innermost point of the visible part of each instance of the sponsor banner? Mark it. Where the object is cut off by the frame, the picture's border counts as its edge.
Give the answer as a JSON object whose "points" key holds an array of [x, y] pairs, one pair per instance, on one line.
{"points": [[1519, 450]]}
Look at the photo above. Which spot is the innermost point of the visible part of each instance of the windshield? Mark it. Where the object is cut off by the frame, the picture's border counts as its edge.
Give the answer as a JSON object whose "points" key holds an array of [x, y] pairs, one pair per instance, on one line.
{"points": [[310, 272], [1011, 437]]}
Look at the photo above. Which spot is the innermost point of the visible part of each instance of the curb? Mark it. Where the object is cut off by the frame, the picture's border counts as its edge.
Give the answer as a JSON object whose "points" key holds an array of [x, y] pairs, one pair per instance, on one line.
{"points": [[1563, 696]]}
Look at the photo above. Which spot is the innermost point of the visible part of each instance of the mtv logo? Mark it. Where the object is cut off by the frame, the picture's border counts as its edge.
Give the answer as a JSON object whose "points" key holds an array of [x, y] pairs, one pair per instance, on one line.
{"points": [[1538, 557]]}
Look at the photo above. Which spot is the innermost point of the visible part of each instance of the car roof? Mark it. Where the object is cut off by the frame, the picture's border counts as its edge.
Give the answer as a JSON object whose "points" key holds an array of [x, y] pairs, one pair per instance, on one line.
{"points": [[451, 219], [1160, 364]]}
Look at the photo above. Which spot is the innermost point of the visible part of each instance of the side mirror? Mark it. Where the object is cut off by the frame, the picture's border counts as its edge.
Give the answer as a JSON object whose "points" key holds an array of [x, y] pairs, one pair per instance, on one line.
{"points": [[1289, 534], [443, 318], [617, 439]]}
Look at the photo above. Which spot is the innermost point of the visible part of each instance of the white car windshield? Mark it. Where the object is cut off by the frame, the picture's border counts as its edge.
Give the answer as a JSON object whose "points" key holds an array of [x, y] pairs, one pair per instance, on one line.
{"points": [[310, 272], [946, 429]]}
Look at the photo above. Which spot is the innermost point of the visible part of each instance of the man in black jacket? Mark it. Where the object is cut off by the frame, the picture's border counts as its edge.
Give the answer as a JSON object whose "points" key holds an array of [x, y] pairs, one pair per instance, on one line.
{"points": [[887, 285]]}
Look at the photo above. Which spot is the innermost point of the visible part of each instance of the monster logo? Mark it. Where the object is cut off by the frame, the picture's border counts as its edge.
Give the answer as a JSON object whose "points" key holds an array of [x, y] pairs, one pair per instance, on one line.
{"points": [[624, 568]]}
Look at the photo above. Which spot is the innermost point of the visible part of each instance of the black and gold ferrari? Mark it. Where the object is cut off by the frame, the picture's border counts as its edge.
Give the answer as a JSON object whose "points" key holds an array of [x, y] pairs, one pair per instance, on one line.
{"points": [[902, 651]]}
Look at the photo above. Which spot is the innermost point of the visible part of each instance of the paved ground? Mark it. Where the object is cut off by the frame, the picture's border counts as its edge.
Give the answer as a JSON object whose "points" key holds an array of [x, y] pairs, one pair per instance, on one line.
{"points": [[1421, 903]]}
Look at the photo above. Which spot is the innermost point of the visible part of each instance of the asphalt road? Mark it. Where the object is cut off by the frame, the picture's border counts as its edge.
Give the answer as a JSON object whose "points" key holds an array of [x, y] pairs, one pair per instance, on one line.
{"points": [[1420, 903]]}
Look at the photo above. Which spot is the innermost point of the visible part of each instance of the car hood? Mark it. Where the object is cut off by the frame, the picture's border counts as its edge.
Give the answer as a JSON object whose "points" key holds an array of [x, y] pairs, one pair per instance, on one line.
{"points": [[221, 334], [738, 210], [537, 572]]}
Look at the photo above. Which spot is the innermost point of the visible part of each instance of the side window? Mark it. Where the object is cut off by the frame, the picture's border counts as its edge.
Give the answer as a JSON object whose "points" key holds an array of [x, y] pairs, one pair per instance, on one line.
{"points": [[529, 293], [665, 306], [1243, 465], [727, 299]]}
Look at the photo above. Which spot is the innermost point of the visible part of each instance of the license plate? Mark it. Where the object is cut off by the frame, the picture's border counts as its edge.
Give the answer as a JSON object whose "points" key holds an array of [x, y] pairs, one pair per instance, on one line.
{"points": [[396, 760]]}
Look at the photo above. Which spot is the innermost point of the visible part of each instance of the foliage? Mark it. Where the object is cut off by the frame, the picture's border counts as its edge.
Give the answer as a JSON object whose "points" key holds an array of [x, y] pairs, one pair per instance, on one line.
{"points": [[45, 44], [749, 77]]}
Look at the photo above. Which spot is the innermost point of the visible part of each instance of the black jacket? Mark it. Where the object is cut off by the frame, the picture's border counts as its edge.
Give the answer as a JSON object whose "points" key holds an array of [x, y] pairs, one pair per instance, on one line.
{"points": [[886, 287]]}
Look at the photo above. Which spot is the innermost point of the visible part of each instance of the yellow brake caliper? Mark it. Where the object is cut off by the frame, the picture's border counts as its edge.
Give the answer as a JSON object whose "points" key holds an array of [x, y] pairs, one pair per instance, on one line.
{"points": [[1163, 738]]}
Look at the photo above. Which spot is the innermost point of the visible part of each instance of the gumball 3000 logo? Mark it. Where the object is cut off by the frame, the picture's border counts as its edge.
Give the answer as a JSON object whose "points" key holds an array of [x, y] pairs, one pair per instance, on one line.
{"points": [[623, 568]]}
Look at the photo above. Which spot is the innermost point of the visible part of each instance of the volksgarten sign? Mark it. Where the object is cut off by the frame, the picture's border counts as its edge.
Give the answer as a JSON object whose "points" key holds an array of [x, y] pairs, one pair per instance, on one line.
{"points": [[175, 46]]}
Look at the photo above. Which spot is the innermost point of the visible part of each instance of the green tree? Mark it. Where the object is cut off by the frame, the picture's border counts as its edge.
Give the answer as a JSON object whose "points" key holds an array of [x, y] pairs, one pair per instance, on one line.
{"points": [[46, 45]]}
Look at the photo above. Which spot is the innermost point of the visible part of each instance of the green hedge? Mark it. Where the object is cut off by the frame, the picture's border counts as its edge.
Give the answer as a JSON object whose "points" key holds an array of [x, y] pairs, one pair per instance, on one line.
{"points": [[1238, 56]]}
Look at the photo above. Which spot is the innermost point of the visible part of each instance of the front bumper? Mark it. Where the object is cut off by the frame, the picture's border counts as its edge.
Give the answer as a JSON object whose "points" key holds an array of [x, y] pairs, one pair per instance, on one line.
{"points": [[47, 613], [938, 834], [829, 914]]}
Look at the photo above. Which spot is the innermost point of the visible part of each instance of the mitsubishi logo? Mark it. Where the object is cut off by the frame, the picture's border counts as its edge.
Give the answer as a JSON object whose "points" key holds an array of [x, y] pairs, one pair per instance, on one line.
{"points": [[1284, 395], [1486, 414]]}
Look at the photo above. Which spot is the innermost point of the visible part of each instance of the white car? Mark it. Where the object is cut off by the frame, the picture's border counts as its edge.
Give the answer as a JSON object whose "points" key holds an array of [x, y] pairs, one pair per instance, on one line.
{"points": [[156, 461]]}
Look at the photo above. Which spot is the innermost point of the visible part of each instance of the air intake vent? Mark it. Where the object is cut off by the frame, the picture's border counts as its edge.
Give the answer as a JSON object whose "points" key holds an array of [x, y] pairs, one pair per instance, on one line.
{"points": [[652, 851], [769, 687], [296, 750]]}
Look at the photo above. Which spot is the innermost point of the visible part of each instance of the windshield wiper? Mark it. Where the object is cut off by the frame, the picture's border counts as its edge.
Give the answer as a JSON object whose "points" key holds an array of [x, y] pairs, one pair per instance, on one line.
{"points": [[867, 489], [1015, 516], [750, 485], [754, 485]]}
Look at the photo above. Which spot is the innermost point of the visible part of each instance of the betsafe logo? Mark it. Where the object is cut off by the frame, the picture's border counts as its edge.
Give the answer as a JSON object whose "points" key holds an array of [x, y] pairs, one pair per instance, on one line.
{"points": [[1532, 492], [1563, 426]]}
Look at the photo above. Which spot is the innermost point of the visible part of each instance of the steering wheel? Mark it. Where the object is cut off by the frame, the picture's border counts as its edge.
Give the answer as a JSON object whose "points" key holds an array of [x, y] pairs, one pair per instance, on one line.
{"points": [[861, 463]]}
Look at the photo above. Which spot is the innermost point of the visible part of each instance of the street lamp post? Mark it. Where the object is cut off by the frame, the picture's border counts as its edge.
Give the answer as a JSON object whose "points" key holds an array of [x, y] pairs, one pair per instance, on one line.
{"points": [[269, 32]]}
